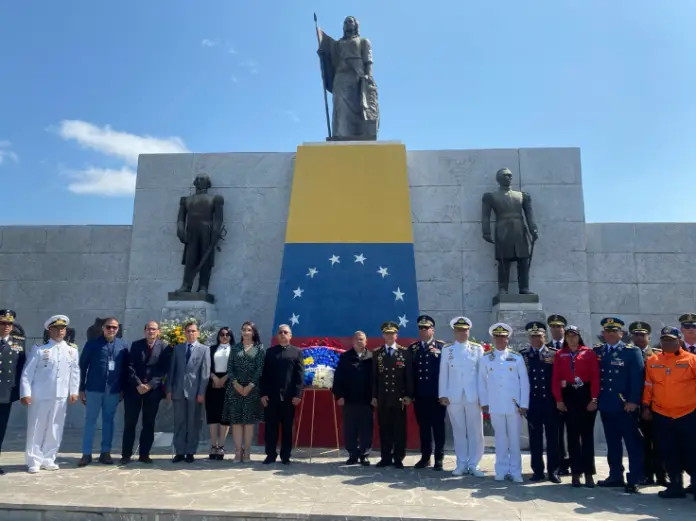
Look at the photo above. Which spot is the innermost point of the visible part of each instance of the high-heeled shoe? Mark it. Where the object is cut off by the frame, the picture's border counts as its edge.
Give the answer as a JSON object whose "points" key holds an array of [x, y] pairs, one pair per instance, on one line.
{"points": [[238, 456], [213, 452], [575, 482], [589, 481], [221, 453], [246, 456]]}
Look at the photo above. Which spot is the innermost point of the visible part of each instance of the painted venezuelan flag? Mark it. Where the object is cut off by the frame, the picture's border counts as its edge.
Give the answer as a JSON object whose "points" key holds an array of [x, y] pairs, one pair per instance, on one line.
{"points": [[348, 262]]}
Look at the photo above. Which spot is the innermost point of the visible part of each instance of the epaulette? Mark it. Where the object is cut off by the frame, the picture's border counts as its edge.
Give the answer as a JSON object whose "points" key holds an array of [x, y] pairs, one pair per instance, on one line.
{"points": [[630, 346], [73, 345], [448, 344], [551, 348], [476, 343], [514, 353], [598, 346], [441, 342], [401, 347], [414, 345]]}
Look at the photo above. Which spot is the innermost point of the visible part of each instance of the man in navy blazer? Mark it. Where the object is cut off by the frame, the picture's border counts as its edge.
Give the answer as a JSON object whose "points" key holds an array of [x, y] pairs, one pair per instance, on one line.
{"points": [[147, 365], [102, 372]]}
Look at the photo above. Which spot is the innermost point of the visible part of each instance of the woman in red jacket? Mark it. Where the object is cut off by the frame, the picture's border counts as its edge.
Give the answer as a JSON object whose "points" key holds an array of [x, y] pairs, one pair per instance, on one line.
{"points": [[575, 386]]}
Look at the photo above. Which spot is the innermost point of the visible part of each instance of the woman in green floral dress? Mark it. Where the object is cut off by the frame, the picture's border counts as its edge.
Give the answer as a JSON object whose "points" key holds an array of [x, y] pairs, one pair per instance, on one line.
{"points": [[242, 407]]}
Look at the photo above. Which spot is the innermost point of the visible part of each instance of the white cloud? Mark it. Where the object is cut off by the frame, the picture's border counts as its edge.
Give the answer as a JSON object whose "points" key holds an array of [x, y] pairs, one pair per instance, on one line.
{"points": [[5, 153], [230, 48], [118, 144], [103, 181], [208, 43], [252, 65], [292, 115]]}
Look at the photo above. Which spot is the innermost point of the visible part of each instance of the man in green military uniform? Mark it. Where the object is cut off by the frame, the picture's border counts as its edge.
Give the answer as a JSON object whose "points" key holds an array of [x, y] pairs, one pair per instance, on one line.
{"points": [[392, 392], [12, 358]]}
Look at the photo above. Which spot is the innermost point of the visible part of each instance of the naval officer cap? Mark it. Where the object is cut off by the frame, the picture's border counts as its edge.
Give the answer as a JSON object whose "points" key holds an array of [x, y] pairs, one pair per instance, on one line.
{"points": [[535, 328], [639, 327], [688, 319], [557, 320], [425, 321], [460, 323], [612, 324], [390, 327], [500, 329], [7, 316], [57, 321], [670, 332]]}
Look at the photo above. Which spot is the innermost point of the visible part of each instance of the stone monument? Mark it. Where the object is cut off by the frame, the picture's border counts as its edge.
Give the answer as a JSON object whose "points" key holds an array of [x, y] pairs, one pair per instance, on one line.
{"points": [[346, 66], [200, 228], [515, 235]]}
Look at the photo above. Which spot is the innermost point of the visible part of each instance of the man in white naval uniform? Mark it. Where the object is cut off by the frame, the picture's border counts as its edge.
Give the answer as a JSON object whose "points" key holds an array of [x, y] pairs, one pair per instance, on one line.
{"points": [[504, 392], [51, 377], [459, 393]]}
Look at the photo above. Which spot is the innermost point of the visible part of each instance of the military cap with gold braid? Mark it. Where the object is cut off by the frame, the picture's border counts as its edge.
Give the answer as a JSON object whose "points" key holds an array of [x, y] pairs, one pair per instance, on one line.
{"points": [[639, 327], [460, 323], [557, 320], [500, 329], [7, 315], [535, 328], [390, 327], [425, 321], [687, 319], [612, 323], [57, 321]]}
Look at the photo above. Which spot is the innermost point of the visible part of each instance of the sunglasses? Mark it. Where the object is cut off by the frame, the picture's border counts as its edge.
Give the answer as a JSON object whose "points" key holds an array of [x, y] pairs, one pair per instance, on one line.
{"points": [[224, 334], [110, 327], [689, 326], [423, 327], [283, 332]]}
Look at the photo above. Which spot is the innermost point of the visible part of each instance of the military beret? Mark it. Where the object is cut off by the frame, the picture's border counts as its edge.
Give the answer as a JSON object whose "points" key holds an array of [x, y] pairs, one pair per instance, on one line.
{"points": [[535, 328], [612, 323], [640, 327], [557, 320], [670, 332], [426, 321], [500, 329], [687, 318], [390, 327], [57, 320], [7, 315], [460, 323]]}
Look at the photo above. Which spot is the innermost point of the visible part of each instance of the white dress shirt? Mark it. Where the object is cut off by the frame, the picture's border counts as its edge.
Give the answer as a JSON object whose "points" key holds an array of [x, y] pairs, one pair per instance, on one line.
{"points": [[220, 358]]}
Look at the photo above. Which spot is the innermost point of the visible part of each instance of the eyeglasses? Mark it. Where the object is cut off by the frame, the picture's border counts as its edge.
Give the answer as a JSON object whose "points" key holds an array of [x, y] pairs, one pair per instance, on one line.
{"points": [[283, 332], [110, 327], [5, 323]]}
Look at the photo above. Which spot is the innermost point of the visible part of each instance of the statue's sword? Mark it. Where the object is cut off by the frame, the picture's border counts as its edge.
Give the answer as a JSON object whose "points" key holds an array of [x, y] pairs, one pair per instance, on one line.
{"points": [[219, 236]]}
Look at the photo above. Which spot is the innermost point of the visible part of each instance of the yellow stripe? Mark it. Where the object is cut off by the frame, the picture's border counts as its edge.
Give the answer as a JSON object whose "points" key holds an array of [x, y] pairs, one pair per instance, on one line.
{"points": [[350, 193]]}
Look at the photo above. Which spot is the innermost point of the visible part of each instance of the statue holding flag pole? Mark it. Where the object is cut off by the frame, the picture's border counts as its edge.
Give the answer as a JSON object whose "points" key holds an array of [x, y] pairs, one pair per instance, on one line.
{"points": [[346, 67]]}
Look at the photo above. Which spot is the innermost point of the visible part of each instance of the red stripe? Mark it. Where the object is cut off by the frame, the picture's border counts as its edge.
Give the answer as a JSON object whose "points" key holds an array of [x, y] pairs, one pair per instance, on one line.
{"points": [[346, 342]]}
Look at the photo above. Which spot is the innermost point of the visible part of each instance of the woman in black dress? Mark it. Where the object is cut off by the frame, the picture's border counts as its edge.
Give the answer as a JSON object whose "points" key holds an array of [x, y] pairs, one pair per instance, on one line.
{"points": [[242, 407], [215, 393]]}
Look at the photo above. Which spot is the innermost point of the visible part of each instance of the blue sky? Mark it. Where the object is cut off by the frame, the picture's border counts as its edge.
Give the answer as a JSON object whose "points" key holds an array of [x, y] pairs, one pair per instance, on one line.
{"points": [[87, 85]]}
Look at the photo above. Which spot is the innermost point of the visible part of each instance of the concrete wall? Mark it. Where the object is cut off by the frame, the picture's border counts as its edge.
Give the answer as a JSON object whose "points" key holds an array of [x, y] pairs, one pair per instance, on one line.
{"points": [[642, 271]]}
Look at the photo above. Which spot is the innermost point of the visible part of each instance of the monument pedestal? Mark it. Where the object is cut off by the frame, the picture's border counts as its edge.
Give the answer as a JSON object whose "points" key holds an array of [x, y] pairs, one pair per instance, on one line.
{"points": [[177, 308]]}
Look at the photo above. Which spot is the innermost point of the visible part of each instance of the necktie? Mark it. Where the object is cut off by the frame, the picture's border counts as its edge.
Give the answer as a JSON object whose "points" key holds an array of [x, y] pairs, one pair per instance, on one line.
{"points": [[188, 352], [391, 351], [558, 344]]}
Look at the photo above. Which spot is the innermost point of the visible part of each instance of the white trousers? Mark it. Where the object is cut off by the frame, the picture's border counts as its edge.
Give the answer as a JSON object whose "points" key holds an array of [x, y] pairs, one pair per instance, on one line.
{"points": [[45, 421], [467, 428], [508, 459]]}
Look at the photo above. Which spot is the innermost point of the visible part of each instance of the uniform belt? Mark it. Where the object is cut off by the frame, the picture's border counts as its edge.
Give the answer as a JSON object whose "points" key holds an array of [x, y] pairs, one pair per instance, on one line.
{"points": [[509, 216]]}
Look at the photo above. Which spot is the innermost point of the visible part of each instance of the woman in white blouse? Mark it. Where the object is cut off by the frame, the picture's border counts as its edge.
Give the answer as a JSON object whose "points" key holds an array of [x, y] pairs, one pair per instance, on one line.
{"points": [[215, 394]]}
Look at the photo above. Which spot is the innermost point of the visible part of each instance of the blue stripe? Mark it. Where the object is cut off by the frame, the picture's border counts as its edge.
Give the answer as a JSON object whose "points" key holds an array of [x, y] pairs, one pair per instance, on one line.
{"points": [[347, 295]]}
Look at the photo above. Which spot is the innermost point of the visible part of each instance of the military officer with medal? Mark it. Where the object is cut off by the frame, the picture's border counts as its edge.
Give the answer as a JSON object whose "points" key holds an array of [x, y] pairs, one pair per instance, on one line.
{"points": [[503, 386], [542, 416], [12, 358], [430, 413], [622, 376], [392, 392]]}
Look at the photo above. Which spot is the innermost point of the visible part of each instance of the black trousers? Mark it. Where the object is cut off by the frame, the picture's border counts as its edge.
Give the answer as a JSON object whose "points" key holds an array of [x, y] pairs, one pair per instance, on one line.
{"points": [[621, 426], [542, 420], [4, 417], [279, 417], [133, 404], [392, 432], [676, 444], [358, 424], [654, 468], [430, 416], [564, 456], [580, 423]]}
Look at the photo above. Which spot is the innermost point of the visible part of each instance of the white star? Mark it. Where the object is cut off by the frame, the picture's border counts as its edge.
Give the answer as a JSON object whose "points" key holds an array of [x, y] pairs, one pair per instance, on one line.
{"points": [[399, 294], [334, 259], [294, 319], [297, 292], [360, 259], [312, 272], [382, 271], [403, 321]]}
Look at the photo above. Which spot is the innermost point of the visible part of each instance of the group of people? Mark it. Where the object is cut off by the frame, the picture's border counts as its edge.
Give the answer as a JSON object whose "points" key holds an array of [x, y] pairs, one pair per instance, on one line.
{"points": [[645, 395]]}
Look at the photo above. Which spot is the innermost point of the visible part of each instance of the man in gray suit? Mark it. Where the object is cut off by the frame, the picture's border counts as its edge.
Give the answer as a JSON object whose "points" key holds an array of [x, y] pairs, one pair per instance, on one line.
{"points": [[186, 383]]}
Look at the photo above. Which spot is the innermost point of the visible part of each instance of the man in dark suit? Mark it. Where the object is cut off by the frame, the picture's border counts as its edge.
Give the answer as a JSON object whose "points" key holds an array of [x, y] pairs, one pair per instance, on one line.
{"points": [[12, 358], [148, 361], [281, 391]]}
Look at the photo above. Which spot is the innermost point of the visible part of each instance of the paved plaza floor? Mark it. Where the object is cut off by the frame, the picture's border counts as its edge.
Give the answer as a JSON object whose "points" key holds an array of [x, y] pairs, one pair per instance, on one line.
{"points": [[323, 489]]}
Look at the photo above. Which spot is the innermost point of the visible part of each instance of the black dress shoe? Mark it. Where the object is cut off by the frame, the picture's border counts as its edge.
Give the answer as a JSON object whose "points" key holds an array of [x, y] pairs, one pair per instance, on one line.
{"points": [[537, 477], [564, 472], [270, 459], [589, 481], [438, 465], [125, 460], [647, 482], [85, 460], [631, 489], [352, 461], [611, 483], [2, 472], [662, 481], [178, 458], [689, 489], [575, 482], [145, 459], [106, 459], [672, 493], [554, 478], [285, 461], [383, 463], [364, 461], [190, 458], [422, 463], [398, 465]]}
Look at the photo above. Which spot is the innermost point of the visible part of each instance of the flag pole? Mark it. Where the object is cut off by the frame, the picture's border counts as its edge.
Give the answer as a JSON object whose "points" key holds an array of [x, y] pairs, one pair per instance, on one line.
{"points": [[323, 79]]}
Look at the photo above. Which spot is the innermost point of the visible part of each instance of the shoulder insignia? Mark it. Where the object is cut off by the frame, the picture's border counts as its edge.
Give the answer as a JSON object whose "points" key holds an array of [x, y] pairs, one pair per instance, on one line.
{"points": [[450, 344], [514, 354], [630, 346], [441, 342], [73, 345], [475, 344], [491, 356], [401, 347], [552, 349]]}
